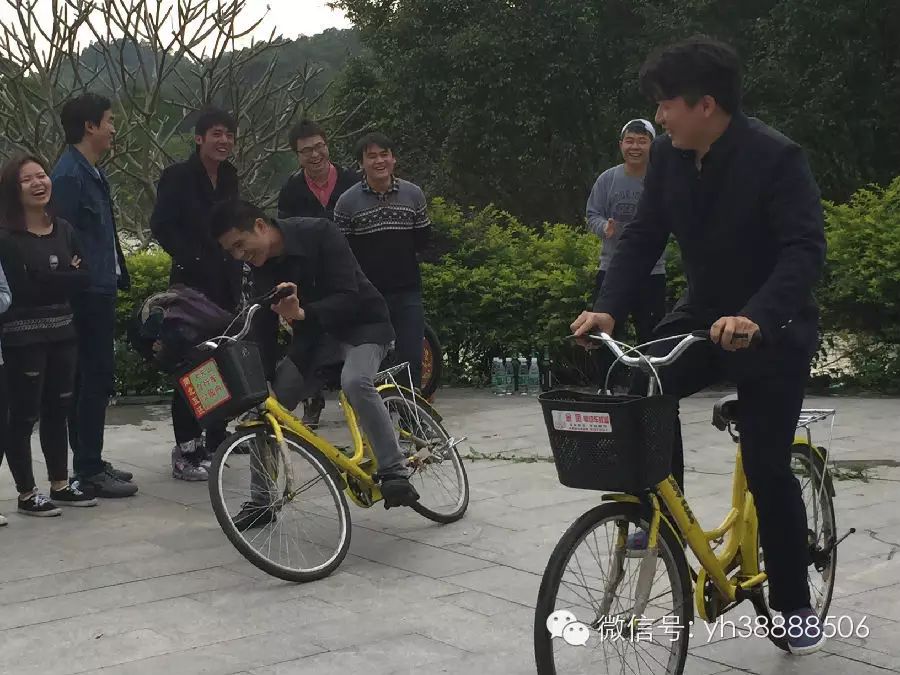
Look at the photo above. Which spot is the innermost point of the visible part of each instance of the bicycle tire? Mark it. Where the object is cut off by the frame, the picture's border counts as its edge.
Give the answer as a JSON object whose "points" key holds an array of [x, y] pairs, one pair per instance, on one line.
{"points": [[432, 343], [821, 484], [328, 474], [670, 552], [427, 413]]}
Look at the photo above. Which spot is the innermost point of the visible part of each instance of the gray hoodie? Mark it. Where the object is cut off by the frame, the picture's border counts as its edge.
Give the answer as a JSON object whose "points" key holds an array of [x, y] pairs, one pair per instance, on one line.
{"points": [[615, 195]]}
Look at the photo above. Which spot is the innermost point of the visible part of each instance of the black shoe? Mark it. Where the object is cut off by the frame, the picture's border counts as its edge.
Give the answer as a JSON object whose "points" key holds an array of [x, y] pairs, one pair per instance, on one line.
{"points": [[253, 515], [312, 411], [397, 491], [38, 505], [73, 495], [118, 473], [108, 486]]}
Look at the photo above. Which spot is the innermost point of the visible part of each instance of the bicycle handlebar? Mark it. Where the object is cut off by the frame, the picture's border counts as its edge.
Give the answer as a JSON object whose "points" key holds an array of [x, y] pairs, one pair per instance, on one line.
{"points": [[252, 307], [641, 361]]}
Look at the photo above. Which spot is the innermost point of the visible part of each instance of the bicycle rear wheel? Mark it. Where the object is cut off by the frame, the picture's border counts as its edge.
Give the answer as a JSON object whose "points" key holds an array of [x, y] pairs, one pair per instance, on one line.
{"points": [[809, 468], [591, 582], [301, 535], [436, 469]]}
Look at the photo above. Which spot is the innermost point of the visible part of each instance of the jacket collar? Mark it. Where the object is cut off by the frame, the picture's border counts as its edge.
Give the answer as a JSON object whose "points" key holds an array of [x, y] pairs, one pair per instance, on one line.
{"points": [[79, 160], [292, 234]]}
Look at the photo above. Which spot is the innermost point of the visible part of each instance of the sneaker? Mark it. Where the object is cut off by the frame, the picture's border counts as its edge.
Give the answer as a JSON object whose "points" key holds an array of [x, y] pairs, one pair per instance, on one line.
{"points": [[204, 453], [312, 411], [107, 486], [3, 521], [253, 515], [118, 473], [811, 638], [73, 495], [186, 463], [38, 505], [397, 491], [636, 544]]}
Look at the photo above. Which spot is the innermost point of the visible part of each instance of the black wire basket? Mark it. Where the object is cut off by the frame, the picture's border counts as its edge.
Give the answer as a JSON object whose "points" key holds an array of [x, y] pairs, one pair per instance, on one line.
{"points": [[612, 443], [225, 383]]}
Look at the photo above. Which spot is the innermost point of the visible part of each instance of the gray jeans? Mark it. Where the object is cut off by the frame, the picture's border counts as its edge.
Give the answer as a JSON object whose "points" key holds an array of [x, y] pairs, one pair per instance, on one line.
{"points": [[361, 363]]}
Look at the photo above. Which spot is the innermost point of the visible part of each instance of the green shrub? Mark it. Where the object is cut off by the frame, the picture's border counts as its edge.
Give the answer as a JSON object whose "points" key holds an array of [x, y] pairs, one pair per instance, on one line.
{"points": [[149, 272]]}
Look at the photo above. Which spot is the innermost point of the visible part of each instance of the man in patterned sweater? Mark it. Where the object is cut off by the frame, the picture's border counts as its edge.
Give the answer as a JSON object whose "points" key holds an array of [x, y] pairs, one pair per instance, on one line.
{"points": [[384, 218]]}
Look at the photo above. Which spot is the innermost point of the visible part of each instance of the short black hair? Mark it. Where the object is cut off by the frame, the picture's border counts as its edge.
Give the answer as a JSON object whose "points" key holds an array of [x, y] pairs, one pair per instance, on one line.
{"points": [[305, 129], [636, 127], [692, 69], [78, 111], [234, 214], [374, 138], [212, 117]]}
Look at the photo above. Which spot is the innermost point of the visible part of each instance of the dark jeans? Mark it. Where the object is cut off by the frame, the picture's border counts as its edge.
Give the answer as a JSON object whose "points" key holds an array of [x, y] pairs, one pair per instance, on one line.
{"points": [[770, 386], [647, 309], [4, 414], [43, 379], [187, 428], [95, 320], [408, 318]]}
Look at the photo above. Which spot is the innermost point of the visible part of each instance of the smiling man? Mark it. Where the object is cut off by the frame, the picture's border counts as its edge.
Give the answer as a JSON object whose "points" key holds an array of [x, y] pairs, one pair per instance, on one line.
{"points": [[185, 196], [385, 220], [611, 207], [743, 204]]}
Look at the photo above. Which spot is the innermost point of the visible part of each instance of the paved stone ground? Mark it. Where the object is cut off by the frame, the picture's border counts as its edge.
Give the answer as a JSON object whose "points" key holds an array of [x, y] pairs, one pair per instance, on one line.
{"points": [[150, 584]]}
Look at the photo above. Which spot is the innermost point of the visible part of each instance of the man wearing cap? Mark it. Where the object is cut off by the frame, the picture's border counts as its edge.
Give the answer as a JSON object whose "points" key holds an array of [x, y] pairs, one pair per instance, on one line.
{"points": [[611, 206]]}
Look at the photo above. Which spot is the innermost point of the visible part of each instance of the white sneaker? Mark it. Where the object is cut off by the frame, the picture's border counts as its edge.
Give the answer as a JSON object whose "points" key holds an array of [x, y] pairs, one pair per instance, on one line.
{"points": [[3, 521]]}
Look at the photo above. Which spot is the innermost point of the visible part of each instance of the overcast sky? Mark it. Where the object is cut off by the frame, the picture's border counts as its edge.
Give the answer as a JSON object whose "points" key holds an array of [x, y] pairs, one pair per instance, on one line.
{"points": [[290, 18]]}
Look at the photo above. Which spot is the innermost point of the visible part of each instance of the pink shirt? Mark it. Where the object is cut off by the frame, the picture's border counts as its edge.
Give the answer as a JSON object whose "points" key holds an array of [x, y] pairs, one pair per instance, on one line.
{"points": [[323, 192]]}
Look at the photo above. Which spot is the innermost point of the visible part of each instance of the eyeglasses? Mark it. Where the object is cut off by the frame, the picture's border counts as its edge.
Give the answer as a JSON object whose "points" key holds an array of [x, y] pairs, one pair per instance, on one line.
{"points": [[319, 148]]}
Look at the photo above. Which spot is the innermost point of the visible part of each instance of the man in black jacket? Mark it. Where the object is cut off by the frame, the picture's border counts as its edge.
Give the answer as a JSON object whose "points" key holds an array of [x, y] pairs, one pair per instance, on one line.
{"points": [[185, 196], [332, 298], [312, 192], [742, 203]]}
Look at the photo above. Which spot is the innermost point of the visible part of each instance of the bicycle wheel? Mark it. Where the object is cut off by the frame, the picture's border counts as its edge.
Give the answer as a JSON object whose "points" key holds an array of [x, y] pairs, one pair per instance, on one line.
{"points": [[436, 469], [809, 467], [432, 362], [589, 580], [301, 535]]}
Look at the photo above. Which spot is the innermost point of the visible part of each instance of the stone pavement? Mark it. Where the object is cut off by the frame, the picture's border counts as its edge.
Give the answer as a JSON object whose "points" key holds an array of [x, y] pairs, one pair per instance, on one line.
{"points": [[150, 584]]}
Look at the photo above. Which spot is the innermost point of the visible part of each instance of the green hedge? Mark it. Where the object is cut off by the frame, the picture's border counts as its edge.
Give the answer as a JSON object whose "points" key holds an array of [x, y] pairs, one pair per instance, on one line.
{"points": [[494, 286]]}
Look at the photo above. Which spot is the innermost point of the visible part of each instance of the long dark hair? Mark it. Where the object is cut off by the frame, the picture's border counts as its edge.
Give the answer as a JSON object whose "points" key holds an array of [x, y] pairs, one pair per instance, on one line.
{"points": [[12, 212]]}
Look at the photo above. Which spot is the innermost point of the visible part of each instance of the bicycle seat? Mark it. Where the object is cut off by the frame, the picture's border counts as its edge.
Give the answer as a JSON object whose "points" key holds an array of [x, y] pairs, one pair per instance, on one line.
{"points": [[725, 412]]}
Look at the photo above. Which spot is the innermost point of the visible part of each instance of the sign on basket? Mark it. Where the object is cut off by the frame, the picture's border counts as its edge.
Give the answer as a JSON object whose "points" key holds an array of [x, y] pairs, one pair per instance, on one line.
{"points": [[205, 389], [593, 423]]}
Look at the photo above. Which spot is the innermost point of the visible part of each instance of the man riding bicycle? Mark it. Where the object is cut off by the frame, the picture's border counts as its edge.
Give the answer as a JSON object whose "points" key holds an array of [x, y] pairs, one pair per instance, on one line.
{"points": [[332, 302], [743, 204]]}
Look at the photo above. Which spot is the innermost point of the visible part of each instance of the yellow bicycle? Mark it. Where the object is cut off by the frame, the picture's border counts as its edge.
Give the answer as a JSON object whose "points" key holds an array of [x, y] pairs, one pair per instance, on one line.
{"points": [[279, 491], [630, 610]]}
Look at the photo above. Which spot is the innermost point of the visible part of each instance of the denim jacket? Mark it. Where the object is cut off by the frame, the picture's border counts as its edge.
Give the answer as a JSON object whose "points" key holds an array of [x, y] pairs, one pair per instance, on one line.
{"points": [[82, 196]]}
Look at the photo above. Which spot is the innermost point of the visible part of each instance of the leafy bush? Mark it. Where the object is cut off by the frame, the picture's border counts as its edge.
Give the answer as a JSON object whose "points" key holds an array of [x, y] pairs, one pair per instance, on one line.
{"points": [[149, 272], [501, 288]]}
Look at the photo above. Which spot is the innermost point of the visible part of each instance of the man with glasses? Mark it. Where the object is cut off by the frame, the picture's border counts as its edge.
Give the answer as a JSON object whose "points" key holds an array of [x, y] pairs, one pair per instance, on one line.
{"points": [[311, 192]]}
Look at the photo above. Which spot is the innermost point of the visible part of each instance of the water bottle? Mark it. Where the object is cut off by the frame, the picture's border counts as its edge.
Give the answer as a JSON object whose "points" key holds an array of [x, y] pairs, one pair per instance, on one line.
{"points": [[522, 379], [534, 376], [498, 376], [510, 379]]}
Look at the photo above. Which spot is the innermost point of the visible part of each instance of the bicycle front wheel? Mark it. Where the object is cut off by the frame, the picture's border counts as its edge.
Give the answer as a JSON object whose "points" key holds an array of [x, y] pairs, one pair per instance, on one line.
{"points": [[603, 608], [297, 532], [436, 469]]}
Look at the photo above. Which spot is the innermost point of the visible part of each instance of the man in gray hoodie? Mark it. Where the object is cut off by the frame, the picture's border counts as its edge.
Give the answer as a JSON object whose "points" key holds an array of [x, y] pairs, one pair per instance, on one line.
{"points": [[611, 206]]}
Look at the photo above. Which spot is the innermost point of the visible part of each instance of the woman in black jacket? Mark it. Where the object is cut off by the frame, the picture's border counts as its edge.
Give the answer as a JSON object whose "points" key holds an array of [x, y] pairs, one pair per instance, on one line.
{"points": [[40, 256]]}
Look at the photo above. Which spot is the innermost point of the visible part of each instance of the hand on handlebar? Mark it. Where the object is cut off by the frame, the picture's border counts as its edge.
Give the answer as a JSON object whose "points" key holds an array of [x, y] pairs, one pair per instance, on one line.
{"points": [[591, 322], [288, 304], [734, 332]]}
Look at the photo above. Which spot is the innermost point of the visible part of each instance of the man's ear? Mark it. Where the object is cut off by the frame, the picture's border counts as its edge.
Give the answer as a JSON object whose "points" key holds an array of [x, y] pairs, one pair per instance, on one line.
{"points": [[198, 139], [260, 226]]}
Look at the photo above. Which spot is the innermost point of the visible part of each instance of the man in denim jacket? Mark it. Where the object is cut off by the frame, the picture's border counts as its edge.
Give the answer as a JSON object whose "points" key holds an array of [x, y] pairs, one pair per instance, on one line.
{"points": [[82, 196]]}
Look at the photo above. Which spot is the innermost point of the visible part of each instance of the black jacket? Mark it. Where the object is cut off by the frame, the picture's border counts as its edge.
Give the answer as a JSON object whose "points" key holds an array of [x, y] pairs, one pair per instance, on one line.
{"points": [[297, 200], [184, 199], [334, 293], [750, 228]]}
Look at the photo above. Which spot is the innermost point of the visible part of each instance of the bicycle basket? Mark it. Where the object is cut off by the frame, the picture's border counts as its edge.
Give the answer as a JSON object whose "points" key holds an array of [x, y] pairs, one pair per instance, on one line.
{"points": [[615, 443], [225, 384]]}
